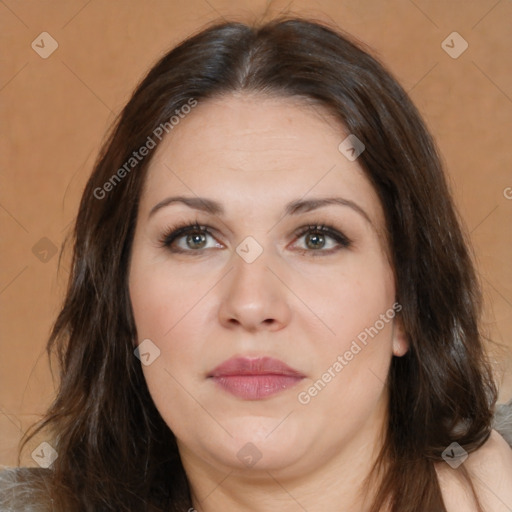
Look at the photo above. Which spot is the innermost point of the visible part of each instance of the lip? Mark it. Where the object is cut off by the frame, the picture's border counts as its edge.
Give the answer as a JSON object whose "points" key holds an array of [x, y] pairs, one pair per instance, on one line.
{"points": [[254, 378]]}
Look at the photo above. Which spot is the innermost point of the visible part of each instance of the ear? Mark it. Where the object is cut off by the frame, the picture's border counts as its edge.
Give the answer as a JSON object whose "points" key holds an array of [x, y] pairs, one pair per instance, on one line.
{"points": [[400, 338]]}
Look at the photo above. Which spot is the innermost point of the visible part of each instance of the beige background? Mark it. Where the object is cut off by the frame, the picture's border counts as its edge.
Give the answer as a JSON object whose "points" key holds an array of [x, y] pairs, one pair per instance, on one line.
{"points": [[55, 112]]}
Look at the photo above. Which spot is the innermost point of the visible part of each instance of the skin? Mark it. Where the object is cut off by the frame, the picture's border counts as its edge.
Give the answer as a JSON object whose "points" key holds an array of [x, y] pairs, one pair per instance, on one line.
{"points": [[253, 155]]}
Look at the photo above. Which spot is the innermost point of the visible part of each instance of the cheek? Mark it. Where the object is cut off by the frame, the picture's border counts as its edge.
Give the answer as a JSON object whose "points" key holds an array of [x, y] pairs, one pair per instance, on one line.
{"points": [[161, 301], [175, 376], [353, 298], [169, 313], [172, 317], [353, 355], [351, 371]]}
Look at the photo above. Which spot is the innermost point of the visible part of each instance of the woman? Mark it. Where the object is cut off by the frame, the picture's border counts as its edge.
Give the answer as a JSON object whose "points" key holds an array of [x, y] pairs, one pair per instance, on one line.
{"points": [[271, 304]]}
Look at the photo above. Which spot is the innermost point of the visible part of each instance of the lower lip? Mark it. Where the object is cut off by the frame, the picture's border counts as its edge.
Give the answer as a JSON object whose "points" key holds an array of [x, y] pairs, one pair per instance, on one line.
{"points": [[256, 387]]}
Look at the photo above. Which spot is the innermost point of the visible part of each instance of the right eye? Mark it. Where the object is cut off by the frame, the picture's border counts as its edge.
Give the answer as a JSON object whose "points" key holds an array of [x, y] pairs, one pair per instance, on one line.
{"points": [[192, 238]]}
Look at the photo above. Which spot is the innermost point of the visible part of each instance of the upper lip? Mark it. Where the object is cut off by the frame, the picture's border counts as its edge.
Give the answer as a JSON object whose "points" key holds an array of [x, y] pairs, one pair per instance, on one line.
{"points": [[253, 366]]}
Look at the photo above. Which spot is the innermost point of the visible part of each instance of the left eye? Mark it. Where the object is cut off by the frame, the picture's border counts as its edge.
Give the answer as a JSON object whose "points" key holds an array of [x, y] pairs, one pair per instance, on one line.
{"points": [[322, 238]]}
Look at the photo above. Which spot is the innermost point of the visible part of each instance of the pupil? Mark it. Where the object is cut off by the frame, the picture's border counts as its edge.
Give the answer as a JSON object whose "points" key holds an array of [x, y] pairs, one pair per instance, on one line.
{"points": [[315, 241], [196, 240]]}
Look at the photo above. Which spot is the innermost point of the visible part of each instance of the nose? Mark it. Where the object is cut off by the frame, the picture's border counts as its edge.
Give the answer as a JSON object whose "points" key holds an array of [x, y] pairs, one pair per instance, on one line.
{"points": [[254, 297]]}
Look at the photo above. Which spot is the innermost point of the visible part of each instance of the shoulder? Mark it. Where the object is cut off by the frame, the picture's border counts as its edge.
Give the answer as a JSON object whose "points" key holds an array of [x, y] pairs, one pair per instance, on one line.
{"points": [[490, 469], [24, 490]]}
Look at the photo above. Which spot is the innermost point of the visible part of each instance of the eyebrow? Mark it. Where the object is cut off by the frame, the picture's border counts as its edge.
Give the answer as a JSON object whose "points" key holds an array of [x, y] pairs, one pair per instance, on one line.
{"points": [[292, 208]]}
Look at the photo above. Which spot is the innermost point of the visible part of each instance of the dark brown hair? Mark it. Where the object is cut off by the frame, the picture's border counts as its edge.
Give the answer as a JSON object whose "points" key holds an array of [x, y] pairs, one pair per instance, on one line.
{"points": [[115, 451]]}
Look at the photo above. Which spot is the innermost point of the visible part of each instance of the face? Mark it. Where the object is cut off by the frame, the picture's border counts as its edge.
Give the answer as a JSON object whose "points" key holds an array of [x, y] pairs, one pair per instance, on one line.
{"points": [[272, 322]]}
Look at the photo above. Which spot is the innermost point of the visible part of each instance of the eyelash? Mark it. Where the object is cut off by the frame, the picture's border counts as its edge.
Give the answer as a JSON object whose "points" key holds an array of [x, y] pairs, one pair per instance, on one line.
{"points": [[173, 233]]}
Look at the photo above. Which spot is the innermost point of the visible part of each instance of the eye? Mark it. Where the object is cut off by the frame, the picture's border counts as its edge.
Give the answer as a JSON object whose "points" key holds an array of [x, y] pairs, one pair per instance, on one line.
{"points": [[322, 239], [188, 238]]}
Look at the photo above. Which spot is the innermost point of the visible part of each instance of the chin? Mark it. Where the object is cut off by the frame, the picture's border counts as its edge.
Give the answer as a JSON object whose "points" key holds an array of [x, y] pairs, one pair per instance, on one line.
{"points": [[260, 443]]}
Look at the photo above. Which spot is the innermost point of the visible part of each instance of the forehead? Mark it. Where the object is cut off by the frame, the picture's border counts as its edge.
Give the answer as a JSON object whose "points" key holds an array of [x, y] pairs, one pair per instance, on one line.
{"points": [[249, 150]]}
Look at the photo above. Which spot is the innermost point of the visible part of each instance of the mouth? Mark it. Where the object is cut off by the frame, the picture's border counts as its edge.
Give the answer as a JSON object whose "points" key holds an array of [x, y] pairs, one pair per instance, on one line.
{"points": [[255, 378]]}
